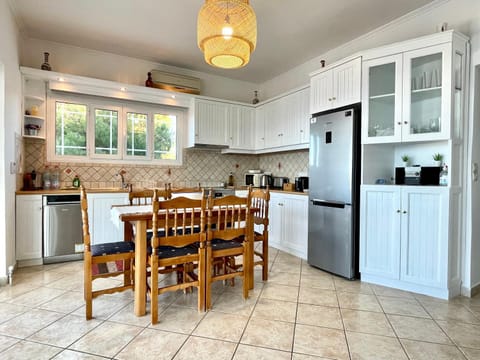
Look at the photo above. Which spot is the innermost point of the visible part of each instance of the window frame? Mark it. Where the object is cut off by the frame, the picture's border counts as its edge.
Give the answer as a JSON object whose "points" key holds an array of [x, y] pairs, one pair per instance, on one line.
{"points": [[91, 131], [122, 107]]}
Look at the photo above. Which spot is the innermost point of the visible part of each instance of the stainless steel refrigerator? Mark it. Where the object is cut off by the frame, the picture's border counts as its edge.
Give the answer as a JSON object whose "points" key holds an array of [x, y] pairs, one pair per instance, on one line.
{"points": [[334, 191]]}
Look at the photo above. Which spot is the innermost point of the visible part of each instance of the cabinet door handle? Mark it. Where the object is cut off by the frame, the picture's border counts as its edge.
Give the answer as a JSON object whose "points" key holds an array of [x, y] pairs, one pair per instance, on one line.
{"points": [[399, 123], [398, 211], [280, 204], [404, 211], [405, 122], [329, 99], [334, 98]]}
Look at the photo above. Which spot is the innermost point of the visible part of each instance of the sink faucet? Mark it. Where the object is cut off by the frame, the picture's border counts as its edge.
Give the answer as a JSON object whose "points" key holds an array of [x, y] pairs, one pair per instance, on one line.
{"points": [[121, 173]]}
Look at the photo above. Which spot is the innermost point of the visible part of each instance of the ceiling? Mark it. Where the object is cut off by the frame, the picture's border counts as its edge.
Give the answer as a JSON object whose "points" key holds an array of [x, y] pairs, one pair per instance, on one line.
{"points": [[164, 31]]}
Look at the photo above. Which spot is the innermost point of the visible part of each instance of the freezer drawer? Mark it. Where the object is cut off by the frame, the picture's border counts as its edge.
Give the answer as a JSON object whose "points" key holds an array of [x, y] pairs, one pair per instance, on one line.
{"points": [[330, 241]]}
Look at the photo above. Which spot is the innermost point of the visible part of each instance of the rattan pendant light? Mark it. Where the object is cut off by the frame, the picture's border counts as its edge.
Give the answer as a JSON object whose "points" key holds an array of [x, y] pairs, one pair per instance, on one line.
{"points": [[227, 32]]}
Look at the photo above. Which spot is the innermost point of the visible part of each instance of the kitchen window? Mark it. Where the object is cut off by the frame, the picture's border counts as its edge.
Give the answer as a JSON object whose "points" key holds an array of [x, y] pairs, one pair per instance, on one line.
{"points": [[92, 129], [70, 129]]}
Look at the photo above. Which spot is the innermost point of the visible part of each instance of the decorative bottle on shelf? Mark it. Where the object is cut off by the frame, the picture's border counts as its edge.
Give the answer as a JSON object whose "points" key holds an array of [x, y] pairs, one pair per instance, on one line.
{"points": [[46, 65], [46, 179], [149, 81], [76, 181], [255, 98], [444, 176]]}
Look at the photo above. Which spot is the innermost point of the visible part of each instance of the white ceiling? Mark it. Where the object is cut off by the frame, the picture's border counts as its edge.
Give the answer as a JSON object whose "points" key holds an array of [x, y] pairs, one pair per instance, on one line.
{"points": [[164, 31]]}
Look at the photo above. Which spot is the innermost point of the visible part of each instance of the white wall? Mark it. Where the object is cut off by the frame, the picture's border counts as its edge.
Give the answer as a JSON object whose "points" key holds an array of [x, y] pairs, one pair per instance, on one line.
{"points": [[10, 113], [459, 14], [96, 64], [472, 248]]}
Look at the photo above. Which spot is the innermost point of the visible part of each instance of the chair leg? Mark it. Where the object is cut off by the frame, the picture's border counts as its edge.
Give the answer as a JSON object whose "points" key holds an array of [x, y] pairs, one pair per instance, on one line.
{"points": [[265, 260], [208, 278], [154, 290], [201, 280], [87, 288]]}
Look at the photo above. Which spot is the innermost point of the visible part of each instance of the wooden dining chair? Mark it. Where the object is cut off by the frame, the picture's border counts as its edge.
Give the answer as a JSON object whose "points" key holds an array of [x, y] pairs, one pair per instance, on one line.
{"points": [[179, 239], [260, 200], [102, 260], [228, 235], [144, 197]]}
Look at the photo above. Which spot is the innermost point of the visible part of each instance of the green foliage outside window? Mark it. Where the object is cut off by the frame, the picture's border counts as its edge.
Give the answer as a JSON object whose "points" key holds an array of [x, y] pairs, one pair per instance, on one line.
{"points": [[136, 134], [106, 132], [70, 129], [164, 142]]}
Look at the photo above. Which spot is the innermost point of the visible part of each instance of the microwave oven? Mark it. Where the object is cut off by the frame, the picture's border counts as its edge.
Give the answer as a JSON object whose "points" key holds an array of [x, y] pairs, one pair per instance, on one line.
{"points": [[254, 179]]}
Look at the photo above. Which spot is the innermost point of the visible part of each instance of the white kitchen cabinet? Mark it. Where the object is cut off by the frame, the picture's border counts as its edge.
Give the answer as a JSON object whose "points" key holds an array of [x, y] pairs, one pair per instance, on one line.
{"points": [[102, 228], [28, 227], [288, 223], [34, 108], [302, 115], [241, 127], [275, 118], [336, 86], [259, 141], [404, 239], [413, 95], [380, 231], [287, 120], [211, 126]]}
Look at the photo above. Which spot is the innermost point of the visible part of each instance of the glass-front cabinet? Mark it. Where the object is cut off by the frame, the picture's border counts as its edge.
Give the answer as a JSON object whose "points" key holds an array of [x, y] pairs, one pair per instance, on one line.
{"points": [[408, 96], [382, 98], [426, 97]]}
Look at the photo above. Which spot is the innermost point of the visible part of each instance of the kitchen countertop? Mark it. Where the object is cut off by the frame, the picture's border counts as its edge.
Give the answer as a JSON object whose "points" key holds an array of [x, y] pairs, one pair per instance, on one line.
{"points": [[119, 190], [69, 191]]}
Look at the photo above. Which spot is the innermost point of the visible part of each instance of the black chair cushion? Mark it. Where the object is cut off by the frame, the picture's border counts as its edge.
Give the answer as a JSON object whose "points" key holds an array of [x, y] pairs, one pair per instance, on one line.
{"points": [[166, 252], [160, 233], [218, 244], [113, 248]]}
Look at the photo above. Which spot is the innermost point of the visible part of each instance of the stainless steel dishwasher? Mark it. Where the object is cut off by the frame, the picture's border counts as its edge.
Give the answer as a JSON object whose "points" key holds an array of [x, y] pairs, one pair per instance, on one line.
{"points": [[62, 228]]}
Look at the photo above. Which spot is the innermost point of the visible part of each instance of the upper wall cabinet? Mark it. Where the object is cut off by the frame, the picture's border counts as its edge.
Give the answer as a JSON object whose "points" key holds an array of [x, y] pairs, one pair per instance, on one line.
{"points": [[408, 96], [241, 128], [286, 120], [336, 86], [211, 122]]}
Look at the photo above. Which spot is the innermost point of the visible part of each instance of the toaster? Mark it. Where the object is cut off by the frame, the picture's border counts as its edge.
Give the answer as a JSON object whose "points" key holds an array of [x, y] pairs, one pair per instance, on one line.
{"points": [[278, 182]]}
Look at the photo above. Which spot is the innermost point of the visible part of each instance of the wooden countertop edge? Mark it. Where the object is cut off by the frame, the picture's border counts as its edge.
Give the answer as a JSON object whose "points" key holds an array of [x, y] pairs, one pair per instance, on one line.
{"points": [[113, 190], [68, 191]]}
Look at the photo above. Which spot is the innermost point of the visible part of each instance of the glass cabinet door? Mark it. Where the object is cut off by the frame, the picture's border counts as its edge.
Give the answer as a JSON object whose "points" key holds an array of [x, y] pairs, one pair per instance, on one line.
{"points": [[382, 99], [425, 116]]}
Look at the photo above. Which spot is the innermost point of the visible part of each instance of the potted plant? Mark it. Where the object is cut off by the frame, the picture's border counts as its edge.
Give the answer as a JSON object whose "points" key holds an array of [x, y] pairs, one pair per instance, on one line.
{"points": [[437, 157], [405, 160]]}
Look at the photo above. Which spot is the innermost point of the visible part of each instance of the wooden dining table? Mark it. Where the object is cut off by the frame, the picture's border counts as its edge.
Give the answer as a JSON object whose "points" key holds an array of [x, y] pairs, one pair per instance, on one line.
{"points": [[137, 220]]}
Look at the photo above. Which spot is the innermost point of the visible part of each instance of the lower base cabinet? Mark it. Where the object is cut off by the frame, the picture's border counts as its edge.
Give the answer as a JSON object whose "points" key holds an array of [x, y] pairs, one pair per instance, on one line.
{"points": [[405, 239], [28, 228], [288, 219]]}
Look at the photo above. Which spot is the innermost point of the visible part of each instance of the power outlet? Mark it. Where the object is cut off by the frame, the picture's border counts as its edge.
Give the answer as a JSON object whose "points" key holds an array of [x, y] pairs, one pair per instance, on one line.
{"points": [[13, 167]]}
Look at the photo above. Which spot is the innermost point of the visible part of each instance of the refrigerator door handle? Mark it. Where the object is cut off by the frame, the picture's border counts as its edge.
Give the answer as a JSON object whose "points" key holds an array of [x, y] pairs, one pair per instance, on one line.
{"points": [[329, 203]]}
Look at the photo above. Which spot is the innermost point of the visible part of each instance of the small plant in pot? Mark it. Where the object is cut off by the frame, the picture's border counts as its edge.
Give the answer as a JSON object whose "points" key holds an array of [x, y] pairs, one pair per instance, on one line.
{"points": [[405, 159], [437, 157]]}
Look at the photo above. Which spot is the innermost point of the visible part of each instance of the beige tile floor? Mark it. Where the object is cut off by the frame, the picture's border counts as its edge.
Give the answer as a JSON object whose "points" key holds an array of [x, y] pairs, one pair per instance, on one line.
{"points": [[300, 313]]}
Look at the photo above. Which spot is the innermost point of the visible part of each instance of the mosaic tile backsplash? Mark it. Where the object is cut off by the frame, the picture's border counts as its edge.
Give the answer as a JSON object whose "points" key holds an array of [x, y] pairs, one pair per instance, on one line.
{"points": [[207, 167]]}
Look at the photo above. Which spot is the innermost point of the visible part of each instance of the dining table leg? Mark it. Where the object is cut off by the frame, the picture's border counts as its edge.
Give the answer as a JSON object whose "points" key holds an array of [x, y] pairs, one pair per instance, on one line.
{"points": [[140, 267]]}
